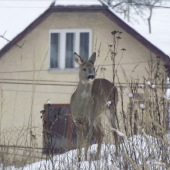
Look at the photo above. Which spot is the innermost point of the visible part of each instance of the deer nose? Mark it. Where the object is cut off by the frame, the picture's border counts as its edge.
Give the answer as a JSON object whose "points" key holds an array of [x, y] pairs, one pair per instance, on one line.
{"points": [[91, 77]]}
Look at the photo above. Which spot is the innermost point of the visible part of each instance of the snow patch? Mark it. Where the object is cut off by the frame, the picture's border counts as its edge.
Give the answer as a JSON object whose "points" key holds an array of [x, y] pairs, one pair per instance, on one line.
{"points": [[142, 106], [108, 103], [130, 95]]}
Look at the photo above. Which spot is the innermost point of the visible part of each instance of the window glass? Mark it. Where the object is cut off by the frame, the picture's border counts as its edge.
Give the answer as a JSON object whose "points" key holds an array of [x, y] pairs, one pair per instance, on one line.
{"points": [[84, 45], [54, 50], [69, 50]]}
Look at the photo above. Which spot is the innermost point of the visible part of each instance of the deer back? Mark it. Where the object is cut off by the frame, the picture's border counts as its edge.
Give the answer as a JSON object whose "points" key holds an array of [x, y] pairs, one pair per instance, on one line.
{"points": [[104, 92]]}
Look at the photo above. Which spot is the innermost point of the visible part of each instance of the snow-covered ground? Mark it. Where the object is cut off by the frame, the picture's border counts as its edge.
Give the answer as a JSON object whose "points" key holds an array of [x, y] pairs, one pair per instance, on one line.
{"points": [[141, 151]]}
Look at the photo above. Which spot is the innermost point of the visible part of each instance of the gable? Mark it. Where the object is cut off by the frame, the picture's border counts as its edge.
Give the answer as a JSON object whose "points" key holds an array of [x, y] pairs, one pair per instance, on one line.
{"points": [[81, 10]]}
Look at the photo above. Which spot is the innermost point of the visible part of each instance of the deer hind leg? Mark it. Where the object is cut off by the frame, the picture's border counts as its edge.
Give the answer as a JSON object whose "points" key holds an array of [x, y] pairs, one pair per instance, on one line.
{"points": [[116, 143], [100, 135], [112, 119]]}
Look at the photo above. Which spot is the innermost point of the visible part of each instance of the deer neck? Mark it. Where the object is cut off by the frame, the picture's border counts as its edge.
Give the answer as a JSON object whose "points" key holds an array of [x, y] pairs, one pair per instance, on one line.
{"points": [[84, 89]]}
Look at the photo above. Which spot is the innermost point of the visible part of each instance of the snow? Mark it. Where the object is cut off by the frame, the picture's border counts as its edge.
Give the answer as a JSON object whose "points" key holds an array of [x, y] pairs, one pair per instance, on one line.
{"points": [[108, 103], [153, 86], [149, 83], [130, 95], [119, 133], [142, 86], [142, 106], [166, 137], [144, 150], [77, 3], [48, 102]]}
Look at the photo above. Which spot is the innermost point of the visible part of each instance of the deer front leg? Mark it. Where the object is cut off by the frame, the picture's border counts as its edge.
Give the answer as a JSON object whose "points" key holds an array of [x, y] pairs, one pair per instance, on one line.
{"points": [[79, 141]]}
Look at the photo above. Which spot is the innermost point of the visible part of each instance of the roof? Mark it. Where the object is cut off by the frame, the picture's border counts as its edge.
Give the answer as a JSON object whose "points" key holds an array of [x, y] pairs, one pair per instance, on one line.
{"points": [[85, 6], [77, 3]]}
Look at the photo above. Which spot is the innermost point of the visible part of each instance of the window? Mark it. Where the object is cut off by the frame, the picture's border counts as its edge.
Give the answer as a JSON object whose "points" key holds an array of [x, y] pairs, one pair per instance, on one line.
{"points": [[64, 42], [59, 133]]}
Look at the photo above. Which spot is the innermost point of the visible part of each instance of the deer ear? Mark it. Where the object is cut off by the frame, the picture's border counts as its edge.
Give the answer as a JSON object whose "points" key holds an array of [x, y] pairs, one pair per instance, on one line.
{"points": [[93, 58], [78, 59]]}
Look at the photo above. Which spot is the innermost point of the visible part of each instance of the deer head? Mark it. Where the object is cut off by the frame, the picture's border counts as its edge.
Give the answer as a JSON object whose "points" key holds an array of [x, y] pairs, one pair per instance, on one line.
{"points": [[87, 70]]}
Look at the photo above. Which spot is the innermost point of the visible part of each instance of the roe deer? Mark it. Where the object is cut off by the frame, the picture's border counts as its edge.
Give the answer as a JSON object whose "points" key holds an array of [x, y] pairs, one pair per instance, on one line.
{"points": [[89, 102]]}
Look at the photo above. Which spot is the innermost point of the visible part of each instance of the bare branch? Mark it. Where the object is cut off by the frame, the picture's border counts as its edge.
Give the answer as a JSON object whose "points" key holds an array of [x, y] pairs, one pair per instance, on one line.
{"points": [[3, 37]]}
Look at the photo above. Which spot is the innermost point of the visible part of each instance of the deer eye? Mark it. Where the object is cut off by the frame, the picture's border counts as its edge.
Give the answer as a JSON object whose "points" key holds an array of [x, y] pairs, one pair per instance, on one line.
{"points": [[84, 69]]}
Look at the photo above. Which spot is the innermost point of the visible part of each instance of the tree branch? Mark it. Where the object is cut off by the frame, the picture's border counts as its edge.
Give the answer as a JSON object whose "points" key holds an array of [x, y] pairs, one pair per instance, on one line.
{"points": [[3, 37]]}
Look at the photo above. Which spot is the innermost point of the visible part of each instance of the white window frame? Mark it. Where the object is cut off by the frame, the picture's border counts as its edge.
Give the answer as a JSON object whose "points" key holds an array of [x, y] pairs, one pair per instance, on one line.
{"points": [[62, 43]]}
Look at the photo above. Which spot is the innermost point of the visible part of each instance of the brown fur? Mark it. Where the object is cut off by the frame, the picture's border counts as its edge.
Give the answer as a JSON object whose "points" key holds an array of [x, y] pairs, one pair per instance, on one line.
{"points": [[89, 102]]}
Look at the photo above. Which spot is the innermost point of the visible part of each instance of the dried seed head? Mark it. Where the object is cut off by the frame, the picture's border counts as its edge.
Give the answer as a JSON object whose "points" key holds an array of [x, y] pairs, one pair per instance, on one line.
{"points": [[114, 32], [113, 53], [118, 37], [102, 68]]}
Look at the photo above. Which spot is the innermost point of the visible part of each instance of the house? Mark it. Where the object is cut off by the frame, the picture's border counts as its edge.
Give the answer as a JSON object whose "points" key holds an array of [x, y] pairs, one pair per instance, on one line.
{"points": [[38, 74]]}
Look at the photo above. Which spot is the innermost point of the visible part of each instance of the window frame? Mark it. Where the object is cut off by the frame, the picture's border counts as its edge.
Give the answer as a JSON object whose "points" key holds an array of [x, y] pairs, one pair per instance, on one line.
{"points": [[62, 42]]}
